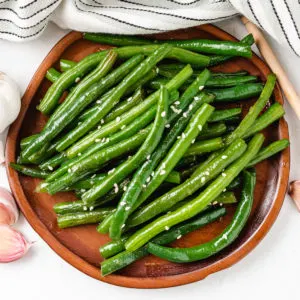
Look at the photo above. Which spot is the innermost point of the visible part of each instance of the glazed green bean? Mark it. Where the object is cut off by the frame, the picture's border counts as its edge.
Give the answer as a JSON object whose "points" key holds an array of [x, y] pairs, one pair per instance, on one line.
{"points": [[32, 172], [133, 163], [143, 235], [27, 140], [66, 64], [242, 213], [206, 146], [52, 75], [82, 218], [128, 117], [53, 162], [212, 131], [223, 114]]}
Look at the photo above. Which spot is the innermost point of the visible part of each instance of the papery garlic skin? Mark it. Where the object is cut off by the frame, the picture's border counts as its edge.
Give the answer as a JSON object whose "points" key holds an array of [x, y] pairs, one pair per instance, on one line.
{"points": [[10, 101], [12, 244], [9, 212]]}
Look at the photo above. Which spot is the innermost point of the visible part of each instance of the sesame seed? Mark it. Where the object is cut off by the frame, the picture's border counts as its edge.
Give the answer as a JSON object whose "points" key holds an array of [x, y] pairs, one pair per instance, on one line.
{"points": [[91, 208], [127, 208], [118, 119], [215, 203], [190, 107], [224, 190], [144, 185], [163, 165], [123, 226], [79, 154], [167, 227], [224, 174], [202, 179], [162, 172], [177, 111], [196, 98], [148, 179], [77, 79], [129, 99], [50, 168], [221, 204], [224, 156], [123, 126], [97, 140], [102, 121], [98, 101], [94, 176], [111, 171], [85, 208], [69, 170], [99, 127], [183, 135], [163, 114], [179, 237], [122, 203], [201, 87], [193, 141], [116, 188], [152, 174], [107, 140], [206, 173], [167, 125], [125, 188], [200, 127], [148, 157], [157, 70], [82, 190], [179, 137], [185, 114], [103, 140], [177, 102]]}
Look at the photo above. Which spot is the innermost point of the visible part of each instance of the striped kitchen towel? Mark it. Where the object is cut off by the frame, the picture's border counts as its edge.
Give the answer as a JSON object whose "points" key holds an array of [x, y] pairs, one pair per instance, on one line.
{"points": [[26, 19]]}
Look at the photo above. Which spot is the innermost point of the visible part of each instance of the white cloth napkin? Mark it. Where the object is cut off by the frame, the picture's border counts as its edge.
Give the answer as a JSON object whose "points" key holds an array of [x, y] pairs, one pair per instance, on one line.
{"points": [[26, 19]]}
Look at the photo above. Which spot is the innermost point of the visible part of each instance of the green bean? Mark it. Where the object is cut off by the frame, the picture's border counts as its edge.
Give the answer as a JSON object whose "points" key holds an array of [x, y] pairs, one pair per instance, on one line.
{"points": [[125, 258], [32, 172], [27, 140], [212, 131], [52, 75], [217, 59], [197, 45], [114, 126], [242, 213], [235, 183], [113, 247], [77, 100], [206, 146], [53, 162], [221, 115], [133, 163], [104, 226], [82, 218], [250, 118], [213, 190], [239, 92], [177, 151], [91, 163], [173, 177], [105, 107], [269, 151], [200, 177], [273, 113], [89, 182], [66, 64]]}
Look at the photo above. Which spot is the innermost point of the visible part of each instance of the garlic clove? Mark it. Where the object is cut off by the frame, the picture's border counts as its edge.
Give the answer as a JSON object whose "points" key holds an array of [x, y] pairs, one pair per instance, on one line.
{"points": [[294, 192], [10, 101], [13, 245], [9, 212]]}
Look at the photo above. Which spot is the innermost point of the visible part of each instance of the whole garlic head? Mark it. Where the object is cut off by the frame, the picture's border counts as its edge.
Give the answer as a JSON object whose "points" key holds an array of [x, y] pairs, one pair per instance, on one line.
{"points": [[10, 101]]}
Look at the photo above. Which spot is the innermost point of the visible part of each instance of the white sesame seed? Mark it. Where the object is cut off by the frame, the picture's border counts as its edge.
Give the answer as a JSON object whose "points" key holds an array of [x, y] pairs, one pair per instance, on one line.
{"points": [[116, 188], [224, 190], [118, 119], [91, 208], [196, 98], [177, 111], [98, 101], [82, 190], [190, 107], [167, 227], [179, 137], [97, 140], [122, 203], [224, 156], [177, 102], [123, 226], [102, 121], [221, 204], [99, 127], [152, 174], [129, 156], [129, 99], [103, 140], [185, 114], [163, 114], [125, 188], [144, 185], [148, 179], [179, 237], [183, 135], [215, 203], [148, 157], [123, 126], [224, 174], [163, 165], [107, 140], [111, 171], [77, 79], [206, 173], [202, 179], [50, 168], [127, 208], [157, 70], [200, 127], [167, 125], [79, 154], [193, 141], [162, 172], [201, 87], [69, 170], [85, 208]]}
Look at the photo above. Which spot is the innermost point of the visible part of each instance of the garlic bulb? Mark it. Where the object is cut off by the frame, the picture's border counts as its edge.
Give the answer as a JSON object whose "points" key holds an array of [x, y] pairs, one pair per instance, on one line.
{"points": [[9, 213], [13, 245], [294, 192], [10, 101]]}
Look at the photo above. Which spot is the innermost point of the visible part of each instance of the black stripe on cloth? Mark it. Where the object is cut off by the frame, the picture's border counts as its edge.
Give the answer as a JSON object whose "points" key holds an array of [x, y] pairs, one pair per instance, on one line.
{"points": [[25, 27], [282, 28], [156, 12], [28, 4], [4, 1], [24, 36], [253, 13], [36, 13], [114, 19], [142, 4], [291, 15]]}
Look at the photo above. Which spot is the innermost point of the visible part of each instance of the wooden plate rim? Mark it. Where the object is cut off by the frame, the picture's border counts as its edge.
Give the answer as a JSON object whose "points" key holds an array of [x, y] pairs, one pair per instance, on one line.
{"points": [[136, 282]]}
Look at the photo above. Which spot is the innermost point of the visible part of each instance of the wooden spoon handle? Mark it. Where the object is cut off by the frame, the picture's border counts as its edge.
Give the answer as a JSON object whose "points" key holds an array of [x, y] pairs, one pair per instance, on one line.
{"points": [[270, 57]]}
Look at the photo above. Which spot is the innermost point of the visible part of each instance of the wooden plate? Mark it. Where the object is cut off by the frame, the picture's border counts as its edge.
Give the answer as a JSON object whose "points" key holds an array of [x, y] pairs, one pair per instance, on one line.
{"points": [[79, 246]]}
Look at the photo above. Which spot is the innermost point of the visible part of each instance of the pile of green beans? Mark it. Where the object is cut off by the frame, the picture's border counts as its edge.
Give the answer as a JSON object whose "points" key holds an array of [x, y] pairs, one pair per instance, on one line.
{"points": [[142, 142]]}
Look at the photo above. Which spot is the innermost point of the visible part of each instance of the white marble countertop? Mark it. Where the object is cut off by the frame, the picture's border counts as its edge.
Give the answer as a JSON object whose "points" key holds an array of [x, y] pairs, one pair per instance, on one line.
{"points": [[271, 270]]}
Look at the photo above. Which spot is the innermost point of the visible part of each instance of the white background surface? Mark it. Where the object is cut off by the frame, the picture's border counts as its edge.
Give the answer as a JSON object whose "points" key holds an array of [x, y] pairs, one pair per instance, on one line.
{"points": [[270, 271]]}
